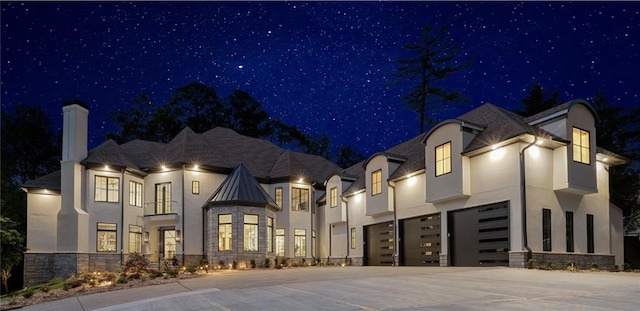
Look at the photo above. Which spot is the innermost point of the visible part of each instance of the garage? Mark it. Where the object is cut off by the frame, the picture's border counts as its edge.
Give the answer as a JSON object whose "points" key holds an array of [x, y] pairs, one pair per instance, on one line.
{"points": [[378, 246], [479, 236], [420, 241]]}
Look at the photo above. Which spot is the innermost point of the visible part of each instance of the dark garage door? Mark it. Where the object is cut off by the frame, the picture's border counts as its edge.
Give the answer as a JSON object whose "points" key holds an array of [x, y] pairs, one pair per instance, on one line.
{"points": [[480, 236], [379, 244], [420, 242]]}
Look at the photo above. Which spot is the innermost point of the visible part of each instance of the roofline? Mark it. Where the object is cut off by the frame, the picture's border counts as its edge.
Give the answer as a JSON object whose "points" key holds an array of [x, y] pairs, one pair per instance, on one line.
{"points": [[390, 157], [562, 112], [457, 121], [407, 176]]}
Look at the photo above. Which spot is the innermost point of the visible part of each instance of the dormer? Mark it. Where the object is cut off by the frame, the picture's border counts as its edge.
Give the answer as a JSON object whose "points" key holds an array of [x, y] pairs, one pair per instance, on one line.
{"points": [[447, 171], [378, 168], [574, 165], [335, 208]]}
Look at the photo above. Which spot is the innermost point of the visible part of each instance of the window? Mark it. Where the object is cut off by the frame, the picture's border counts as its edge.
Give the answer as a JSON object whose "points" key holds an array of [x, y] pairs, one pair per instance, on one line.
{"points": [[569, 225], [163, 198], [269, 234], [353, 238], [581, 146], [135, 239], [376, 182], [443, 159], [546, 229], [107, 189], [195, 187], [300, 243], [279, 196], [299, 199], [590, 245], [106, 239], [135, 193], [313, 243], [224, 232], [333, 197], [280, 242], [251, 233]]}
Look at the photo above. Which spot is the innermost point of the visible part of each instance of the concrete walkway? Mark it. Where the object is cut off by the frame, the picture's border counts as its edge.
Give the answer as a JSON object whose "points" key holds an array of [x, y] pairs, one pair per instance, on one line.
{"points": [[375, 288]]}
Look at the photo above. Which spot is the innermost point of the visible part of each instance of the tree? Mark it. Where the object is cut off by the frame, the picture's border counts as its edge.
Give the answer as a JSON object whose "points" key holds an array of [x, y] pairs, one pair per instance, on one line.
{"points": [[247, 116], [618, 130], [347, 156], [134, 121], [434, 61], [12, 249], [537, 101], [200, 106], [318, 145]]}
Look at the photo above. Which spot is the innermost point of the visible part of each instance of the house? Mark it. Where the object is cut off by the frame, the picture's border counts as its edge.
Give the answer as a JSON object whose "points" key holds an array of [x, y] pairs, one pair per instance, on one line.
{"points": [[487, 188], [217, 195]]}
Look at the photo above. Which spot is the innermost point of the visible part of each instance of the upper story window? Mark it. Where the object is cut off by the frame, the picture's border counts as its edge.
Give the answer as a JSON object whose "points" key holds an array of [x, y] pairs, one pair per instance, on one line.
{"points": [[299, 199], [279, 196], [376, 182], [107, 189], [163, 198], [195, 187], [135, 193], [443, 159], [581, 146], [333, 197]]}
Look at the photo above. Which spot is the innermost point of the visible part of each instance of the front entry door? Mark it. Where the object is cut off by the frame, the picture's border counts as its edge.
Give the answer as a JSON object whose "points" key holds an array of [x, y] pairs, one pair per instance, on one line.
{"points": [[167, 243]]}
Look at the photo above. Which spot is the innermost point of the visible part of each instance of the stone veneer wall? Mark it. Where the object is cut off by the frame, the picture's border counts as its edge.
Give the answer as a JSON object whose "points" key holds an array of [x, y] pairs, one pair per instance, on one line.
{"points": [[237, 254], [42, 267], [561, 260]]}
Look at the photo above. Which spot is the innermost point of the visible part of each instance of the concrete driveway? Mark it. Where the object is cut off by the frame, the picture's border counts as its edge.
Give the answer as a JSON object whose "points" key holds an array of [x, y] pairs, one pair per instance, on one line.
{"points": [[376, 288]]}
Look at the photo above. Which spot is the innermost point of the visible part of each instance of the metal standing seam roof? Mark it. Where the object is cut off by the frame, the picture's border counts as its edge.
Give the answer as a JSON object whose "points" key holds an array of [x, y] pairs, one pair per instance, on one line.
{"points": [[241, 188]]}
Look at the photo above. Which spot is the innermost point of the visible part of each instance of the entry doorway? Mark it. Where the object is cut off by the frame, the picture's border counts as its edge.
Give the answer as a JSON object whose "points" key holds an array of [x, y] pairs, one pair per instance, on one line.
{"points": [[167, 244]]}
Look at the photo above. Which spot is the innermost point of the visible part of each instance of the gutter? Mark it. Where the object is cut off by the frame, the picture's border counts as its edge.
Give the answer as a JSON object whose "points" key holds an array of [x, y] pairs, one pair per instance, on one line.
{"points": [[122, 218], [396, 256], [523, 200], [182, 216], [346, 210]]}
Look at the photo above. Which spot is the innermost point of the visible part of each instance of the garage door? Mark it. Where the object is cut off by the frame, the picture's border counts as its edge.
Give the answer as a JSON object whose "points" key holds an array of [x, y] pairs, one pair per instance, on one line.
{"points": [[480, 236], [420, 242], [379, 244]]}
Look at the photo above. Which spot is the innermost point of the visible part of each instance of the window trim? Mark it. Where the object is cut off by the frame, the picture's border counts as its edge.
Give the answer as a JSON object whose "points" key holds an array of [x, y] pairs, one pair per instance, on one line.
{"points": [[333, 197], [353, 238], [230, 231], [442, 160], [253, 225], [270, 232], [137, 233], [135, 193], [580, 146], [376, 183], [569, 225], [300, 196], [195, 187], [113, 231], [278, 196], [299, 250], [106, 190], [546, 230], [591, 249], [280, 232]]}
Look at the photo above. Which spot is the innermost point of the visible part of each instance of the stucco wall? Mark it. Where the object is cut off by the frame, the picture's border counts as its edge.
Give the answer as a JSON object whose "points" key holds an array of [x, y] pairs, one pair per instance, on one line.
{"points": [[42, 211]]}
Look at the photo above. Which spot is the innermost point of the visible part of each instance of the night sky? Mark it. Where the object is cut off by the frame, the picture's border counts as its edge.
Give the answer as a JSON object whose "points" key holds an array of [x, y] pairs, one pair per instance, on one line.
{"points": [[322, 66]]}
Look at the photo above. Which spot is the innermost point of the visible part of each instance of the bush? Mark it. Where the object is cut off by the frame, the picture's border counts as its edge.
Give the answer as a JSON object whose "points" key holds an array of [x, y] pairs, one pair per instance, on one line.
{"points": [[253, 263], [122, 280], [595, 267], [550, 266], [27, 292], [267, 263], [71, 282], [136, 263], [192, 269], [234, 265], [571, 266], [45, 288], [532, 263]]}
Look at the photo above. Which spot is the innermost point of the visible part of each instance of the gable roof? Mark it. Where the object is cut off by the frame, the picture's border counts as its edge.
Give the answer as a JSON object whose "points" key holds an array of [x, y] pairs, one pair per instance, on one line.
{"points": [[241, 188], [49, 181]]}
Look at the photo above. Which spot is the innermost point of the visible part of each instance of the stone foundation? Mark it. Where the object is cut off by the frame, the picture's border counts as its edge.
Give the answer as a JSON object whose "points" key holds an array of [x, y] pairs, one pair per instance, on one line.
{"points": [[444, 260], [561, 260]]}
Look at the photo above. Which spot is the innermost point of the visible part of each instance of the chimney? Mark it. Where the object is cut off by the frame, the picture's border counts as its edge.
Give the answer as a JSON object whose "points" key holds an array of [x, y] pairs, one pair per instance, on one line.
{"points": [[72, 219]]}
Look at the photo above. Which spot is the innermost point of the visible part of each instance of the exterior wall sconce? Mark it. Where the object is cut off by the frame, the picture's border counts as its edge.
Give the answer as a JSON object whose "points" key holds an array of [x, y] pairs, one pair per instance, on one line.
{"points": [[178, 236], [146, 237]]}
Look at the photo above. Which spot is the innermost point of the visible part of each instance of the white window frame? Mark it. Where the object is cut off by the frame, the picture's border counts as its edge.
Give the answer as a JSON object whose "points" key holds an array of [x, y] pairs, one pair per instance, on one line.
{"points": [[107, 189]]}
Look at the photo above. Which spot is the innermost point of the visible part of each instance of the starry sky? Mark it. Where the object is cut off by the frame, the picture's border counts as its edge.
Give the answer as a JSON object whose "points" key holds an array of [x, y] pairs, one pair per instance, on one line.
{"points": [[325, 67]]}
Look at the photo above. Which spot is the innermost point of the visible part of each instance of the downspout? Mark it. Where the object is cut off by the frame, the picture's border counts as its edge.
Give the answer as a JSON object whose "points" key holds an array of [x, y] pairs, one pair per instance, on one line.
{"points": [[346, 211], [313, 201], [523, 200], [122, 219], [396, 259], [182, 216]]}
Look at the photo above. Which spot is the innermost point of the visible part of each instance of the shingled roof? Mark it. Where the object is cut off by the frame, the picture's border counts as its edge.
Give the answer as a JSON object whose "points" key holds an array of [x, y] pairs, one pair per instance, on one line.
{"points": [[241, 188], [49, 181], [220, 148]]}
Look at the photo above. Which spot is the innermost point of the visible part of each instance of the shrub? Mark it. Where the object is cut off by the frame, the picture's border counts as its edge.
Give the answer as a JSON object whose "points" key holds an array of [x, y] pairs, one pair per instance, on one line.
{"points": [[192, 269], [27, 292], [571, 266], [71, 282], [136, 263], [45, 288], [532, 263], [234, 265], [550, 266], [253, 263], [595, 267], [267, 263], [122, 280]]}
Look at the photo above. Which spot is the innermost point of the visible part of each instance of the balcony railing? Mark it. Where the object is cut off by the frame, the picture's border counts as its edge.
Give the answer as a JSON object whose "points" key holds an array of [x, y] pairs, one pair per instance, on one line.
{"points": [[161, 208]]}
